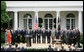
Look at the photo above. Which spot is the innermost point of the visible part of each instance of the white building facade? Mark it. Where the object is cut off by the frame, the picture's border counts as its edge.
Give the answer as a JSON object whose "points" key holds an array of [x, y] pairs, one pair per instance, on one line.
{"points": [[23, 13]]}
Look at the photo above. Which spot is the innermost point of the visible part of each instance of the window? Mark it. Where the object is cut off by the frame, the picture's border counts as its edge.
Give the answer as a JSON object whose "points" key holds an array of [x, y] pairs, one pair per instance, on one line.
{"points": [[27, 21], [70, 21], [48, 21]]}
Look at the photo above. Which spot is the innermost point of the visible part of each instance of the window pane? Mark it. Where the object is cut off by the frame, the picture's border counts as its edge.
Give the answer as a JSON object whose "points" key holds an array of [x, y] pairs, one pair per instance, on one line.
{"points": [[50, 23], [25, 23], [30, 23], [73, 23], [67, 23], [46, 23]]}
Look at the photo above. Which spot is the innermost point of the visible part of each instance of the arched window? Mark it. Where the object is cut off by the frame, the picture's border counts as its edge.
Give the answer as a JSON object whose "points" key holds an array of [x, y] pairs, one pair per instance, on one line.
{"points": [[27, 18], [70, 21], [27, 15], [48, 21]]}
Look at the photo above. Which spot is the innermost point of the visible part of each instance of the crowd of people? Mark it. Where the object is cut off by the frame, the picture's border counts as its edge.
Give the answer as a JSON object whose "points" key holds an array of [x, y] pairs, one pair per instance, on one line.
{"points": [[16, 48], [64, 49], [10, 48], [67, 36]]}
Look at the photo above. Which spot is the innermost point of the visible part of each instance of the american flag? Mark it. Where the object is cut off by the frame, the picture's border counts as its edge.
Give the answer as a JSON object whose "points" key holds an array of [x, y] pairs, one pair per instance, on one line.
{"points": [[36, 23]]}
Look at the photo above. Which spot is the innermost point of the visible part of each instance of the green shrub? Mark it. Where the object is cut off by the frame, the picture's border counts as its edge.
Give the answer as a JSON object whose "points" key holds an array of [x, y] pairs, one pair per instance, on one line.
{"points": [[40, 25], [2, 37], [81, 38], [40, 20]]}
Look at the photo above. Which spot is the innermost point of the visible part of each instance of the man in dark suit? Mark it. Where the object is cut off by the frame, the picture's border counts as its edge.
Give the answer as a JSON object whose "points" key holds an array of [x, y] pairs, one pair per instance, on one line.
{"points": [[74, 36], [23, 31], [67, 36], [13, 36], [15, 33], [18, 35], [70, 37], [38, 35], [48, 35], [43, 35], [57, 33], [78, 37], [62, 35], [34, 36]]}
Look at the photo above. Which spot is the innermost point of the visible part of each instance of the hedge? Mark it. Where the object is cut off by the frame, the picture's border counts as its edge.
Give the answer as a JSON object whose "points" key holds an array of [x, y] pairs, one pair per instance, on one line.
{"points": [[81, 38], [2, 37]]}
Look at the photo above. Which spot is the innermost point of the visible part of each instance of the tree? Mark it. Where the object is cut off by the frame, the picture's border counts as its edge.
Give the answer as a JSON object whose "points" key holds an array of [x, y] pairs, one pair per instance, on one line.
{"points": [[4, 16]]}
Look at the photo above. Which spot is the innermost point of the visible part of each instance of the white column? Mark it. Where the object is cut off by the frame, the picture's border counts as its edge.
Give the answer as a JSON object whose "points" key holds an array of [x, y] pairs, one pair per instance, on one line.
{"points": [[15, 20], [46, 39], [51, 39], [57, 15], [80, 21], [36, 39], [41, 39]]}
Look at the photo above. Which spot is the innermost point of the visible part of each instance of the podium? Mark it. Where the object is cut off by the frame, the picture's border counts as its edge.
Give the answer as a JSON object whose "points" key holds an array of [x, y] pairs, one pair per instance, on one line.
{"points": [[27, 39]]}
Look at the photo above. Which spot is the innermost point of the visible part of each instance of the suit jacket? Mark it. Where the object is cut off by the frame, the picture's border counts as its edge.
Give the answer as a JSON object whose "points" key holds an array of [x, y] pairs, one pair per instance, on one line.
{"points": [[57, 33], [70, 35], [63, 34], [49, 33], [34, 33], [18, 32], [28, 32], [67, 34], [78, 34], [15, 33], [23, 32], [43, 32], [39, 31]]}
